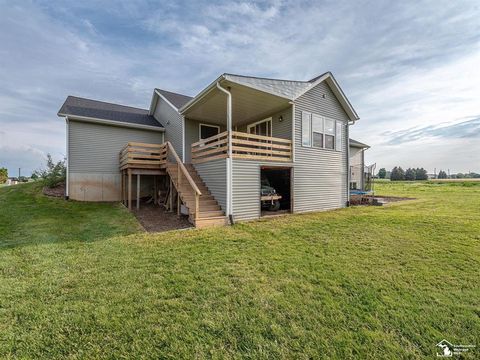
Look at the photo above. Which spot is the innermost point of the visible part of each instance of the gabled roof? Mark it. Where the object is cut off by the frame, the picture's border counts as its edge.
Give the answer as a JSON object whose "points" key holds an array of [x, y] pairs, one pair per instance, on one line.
{"points": [[287, 89], [358, 144], [76, 107], [177, 100]]}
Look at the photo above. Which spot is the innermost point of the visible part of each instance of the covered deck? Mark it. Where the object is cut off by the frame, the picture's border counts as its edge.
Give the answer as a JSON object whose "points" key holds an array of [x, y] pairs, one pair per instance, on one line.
{"points": [[243, 146], [244, 122]]}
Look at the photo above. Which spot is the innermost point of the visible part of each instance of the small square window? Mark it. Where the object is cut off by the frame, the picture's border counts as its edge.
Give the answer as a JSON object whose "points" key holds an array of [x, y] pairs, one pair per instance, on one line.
{"points": [[329, 142], [317, 139], [329, 127]]}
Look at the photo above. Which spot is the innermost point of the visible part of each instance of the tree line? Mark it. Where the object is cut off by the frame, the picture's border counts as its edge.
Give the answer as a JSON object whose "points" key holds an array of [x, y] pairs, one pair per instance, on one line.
{"points": [[412, 174], [398, 174]]}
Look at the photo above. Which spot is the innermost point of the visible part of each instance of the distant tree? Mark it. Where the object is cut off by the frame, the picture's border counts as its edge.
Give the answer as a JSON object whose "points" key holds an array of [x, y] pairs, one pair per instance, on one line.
{"points": [[421, 174], [382, 173], [442, 174], [475, 175], [410, 174], [34, 176], [3, 175], [54, 174], [397, 174]]}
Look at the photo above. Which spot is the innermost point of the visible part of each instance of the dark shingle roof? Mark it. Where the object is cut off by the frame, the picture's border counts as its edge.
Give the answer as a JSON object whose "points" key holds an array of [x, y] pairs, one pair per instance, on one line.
{"points": [[178, 100], [356, 143], [75, 106]]}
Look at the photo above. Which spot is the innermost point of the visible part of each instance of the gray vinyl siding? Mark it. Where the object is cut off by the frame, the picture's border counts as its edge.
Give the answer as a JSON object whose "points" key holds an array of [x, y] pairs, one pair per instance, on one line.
{"points": [[95, 148], [280, 129], [93, 158], [192, 135], [214, 175], [320, 176], [172, 121], [246, 188]]}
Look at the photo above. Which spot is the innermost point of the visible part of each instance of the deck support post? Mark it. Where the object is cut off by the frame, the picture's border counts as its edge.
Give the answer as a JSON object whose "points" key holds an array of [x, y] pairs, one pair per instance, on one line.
{"points": [[138, 191], [197, 207], [171, 195], [179, 204], [121, 187], [129, 189], [154, 190]]}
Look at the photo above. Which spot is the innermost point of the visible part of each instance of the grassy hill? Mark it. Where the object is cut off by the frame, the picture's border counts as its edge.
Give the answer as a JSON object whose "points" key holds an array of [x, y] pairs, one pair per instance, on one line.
{"points": [[84, 281]]}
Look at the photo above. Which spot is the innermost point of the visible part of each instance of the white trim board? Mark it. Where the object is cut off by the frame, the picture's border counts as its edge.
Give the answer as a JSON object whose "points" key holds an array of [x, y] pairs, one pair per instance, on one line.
{"points": [[113, 123], [206, 125], [269, 119]]}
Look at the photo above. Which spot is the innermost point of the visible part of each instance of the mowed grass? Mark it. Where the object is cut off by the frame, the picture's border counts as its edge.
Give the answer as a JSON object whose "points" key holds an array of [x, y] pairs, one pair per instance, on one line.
{"points": [[83, 281]]}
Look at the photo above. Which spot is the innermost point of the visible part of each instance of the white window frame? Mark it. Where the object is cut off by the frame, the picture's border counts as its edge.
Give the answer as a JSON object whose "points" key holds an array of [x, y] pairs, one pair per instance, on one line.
{"points": [[336, 123], [309, 120], [311, 131], [249, 126], [206, 125]]}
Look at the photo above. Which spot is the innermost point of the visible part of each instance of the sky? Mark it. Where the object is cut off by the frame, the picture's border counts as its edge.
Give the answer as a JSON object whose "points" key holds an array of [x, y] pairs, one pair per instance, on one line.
{"points": [[411, 69]]}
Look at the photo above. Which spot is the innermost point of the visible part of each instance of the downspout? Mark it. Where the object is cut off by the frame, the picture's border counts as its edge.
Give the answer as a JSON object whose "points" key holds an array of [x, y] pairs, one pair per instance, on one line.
{"points": [[67, 177], [293, 130], [348, 160], [229, 151]]}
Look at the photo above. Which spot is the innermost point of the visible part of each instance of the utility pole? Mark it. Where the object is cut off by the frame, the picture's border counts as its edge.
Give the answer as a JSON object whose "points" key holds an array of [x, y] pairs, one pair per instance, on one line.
{"points": [[434, 173], [19, 173]]}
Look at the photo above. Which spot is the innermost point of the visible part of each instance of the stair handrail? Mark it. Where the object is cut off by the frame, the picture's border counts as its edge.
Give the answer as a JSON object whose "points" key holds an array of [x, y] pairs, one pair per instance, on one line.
{"points": [[183, 169]]}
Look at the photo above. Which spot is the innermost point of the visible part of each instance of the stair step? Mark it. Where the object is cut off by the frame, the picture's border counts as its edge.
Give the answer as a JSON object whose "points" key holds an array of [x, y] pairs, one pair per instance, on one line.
{"points": [[213, 207], [210, 214], [212, 221], [191, 197]]}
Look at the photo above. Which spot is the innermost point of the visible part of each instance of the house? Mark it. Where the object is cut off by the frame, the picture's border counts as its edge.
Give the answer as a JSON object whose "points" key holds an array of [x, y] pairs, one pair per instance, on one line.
{"points": [[210, 154], [12, 181], [358, 171]]}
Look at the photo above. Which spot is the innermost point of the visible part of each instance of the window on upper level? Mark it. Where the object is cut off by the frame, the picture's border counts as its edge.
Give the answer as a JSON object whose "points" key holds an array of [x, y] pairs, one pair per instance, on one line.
{"points": [[321, 132], [317, 131], [306, 129]]}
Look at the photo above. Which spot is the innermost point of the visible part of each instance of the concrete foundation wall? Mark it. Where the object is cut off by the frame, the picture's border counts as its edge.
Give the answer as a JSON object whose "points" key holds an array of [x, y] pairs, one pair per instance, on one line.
{"points": [[93, 160], [105, 187]]}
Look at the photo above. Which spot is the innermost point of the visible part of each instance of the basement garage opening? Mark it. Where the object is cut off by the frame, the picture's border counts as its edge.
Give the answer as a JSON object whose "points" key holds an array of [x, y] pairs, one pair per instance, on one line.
{"points": [[275, 190]]}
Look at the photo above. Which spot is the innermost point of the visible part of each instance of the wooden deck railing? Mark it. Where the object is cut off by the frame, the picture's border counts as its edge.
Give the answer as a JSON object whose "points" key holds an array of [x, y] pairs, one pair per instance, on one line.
{"points": [[244, 146], [183, 174], [143, 156], [214, 147]]}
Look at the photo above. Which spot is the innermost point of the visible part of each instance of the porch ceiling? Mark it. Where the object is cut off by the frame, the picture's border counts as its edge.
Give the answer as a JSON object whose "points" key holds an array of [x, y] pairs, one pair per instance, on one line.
{"points": [[247, 105]]}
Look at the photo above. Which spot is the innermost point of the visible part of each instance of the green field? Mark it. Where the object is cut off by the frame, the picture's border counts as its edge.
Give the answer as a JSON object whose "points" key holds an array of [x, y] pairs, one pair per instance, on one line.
{"points": [[82, 280]]}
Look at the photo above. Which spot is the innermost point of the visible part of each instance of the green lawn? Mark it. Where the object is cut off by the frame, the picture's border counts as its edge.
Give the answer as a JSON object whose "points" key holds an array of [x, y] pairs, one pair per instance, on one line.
{"points": [[83, 281]]}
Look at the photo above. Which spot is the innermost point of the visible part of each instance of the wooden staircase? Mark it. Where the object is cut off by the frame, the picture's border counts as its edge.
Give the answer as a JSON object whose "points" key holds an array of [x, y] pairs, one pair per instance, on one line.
{"points": [[209, 211]]}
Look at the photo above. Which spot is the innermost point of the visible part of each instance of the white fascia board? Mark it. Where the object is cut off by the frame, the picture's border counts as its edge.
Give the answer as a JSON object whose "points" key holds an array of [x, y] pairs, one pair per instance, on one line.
{"points": [[153, 103], [112, 123], [200, 95], [337, 90], [212, 86], [258, 88]]}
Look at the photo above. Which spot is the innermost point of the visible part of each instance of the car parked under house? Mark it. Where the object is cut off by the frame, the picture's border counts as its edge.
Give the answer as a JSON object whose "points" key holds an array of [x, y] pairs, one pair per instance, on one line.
{"points": [[210, 153]]}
